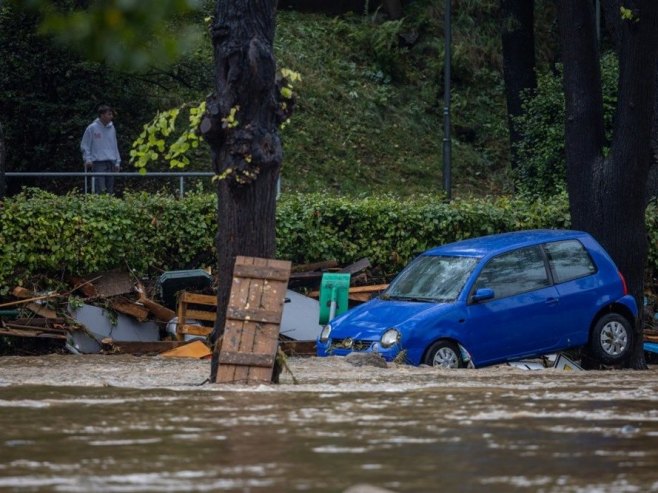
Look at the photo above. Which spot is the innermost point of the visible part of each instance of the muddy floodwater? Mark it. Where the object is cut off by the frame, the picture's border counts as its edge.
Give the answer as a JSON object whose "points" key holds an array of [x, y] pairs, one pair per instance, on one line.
{"points": [[138, 424]]}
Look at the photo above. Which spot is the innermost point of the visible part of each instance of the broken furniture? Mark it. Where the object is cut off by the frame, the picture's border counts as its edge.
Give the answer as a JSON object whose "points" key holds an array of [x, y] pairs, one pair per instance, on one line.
{"points": [[196, 315]]}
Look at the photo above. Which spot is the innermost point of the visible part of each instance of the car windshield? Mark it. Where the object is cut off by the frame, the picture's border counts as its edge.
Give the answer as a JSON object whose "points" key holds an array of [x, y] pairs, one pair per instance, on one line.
{"points": [[431, 278]]}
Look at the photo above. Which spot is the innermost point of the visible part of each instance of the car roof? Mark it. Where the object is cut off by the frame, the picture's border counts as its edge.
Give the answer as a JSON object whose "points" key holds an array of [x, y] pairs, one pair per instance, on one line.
{"points": [[499, 243]]}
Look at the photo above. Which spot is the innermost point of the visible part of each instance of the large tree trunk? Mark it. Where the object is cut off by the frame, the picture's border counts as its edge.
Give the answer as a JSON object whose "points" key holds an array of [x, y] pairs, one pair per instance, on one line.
{"points": [[246, 147], [517, 18], [613, 28], [3, 184], [606, 194]]}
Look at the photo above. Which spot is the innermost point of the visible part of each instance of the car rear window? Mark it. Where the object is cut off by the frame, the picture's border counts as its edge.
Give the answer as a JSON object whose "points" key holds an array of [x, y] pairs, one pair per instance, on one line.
{"points": [[569, 260]]}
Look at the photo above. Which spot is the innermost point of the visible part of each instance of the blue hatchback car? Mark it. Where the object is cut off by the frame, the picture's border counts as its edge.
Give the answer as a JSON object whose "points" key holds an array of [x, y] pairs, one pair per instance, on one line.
{"points": [[493, 299]]}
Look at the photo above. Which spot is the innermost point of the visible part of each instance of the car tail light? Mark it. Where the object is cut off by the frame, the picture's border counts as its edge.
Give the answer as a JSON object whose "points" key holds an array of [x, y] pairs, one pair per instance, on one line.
{"points": [[623, 283]]}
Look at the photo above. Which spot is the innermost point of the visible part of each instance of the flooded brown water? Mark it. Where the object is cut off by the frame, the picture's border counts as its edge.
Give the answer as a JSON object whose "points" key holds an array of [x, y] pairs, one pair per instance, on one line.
{"points": [[142, 424]]}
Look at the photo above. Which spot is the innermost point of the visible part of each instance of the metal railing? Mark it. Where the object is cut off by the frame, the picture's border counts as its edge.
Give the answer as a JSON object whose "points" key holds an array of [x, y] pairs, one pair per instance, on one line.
{"points": [[89, 181]]}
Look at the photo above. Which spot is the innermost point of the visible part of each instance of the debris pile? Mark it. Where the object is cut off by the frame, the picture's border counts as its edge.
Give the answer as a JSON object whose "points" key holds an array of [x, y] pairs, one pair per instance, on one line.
{"points": [[113, 312]]}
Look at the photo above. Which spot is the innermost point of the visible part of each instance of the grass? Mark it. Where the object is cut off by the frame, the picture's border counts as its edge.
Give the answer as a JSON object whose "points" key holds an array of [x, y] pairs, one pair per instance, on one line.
{"points": [[369, 117]]}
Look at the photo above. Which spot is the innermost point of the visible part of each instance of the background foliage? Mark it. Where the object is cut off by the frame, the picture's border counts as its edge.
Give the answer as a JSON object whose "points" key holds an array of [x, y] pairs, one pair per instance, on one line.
{"points": [[369, 109], [49, 237], [541, 170]]}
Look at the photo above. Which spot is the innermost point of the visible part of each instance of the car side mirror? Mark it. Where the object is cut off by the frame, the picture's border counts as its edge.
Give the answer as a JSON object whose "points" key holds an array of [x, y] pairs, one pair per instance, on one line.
{"points": [[483, 294]]}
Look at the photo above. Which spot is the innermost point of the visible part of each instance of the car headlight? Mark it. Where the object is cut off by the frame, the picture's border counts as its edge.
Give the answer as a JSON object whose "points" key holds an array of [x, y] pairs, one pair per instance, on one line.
{"points": [[324, 335], [390, 337]]}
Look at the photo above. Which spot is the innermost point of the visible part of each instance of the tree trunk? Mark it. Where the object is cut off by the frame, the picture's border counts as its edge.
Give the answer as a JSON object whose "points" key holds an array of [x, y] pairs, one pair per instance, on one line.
{"points": [[613, 28], [518, 38], [3, 183], [393, 8], [606, 193], [241, 127]]}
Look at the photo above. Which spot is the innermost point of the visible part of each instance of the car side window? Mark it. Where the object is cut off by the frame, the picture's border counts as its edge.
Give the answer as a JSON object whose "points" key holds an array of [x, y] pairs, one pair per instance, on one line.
{"points": [[569, 260], [514, 273]]}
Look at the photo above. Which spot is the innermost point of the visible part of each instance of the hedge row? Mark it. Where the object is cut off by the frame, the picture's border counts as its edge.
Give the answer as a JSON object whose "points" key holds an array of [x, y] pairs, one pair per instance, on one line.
{"points": [[44, 236]]}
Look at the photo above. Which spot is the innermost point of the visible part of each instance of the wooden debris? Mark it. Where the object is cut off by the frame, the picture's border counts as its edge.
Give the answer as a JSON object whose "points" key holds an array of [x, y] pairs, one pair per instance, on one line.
{"points": [[364, 293], [357, 266], [358, 293], [199, 307], [127, 307], [10, 330], [35, 327], [160, 312], [41, 310], [252, 331], [327, 264], [195, 349], [112, 283], [84, 286], [297, 348], [21, 292], [29, 300]]}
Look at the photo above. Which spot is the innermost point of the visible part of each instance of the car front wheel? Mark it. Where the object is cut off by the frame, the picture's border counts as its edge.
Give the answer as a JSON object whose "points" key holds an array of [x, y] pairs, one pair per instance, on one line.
{"points": [[611, 339], [444, 354]]}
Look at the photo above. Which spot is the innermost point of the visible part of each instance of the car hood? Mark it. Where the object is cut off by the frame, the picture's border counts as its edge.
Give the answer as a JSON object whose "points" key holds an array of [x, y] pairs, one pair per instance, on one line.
{"points": [[375, 316]]}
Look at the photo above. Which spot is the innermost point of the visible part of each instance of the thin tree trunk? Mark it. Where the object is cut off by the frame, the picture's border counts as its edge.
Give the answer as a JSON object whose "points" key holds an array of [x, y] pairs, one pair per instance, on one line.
{"points": [[518, 60], [3, 183]]}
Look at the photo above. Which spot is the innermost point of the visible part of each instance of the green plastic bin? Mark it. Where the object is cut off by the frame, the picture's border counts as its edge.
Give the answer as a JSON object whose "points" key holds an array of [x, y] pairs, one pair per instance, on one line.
{"points": [[334, 292]]}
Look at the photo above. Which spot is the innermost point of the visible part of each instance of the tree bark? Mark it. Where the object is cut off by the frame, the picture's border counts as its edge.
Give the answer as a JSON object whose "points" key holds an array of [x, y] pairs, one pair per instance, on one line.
{"points": [[606, 193], [517, 18], [3, 183], [613, 28], [241, 125], [393, 8]]}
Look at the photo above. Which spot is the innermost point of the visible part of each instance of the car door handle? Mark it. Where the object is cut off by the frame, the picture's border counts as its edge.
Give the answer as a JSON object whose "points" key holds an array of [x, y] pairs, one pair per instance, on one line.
{"points": [[552, 301]]}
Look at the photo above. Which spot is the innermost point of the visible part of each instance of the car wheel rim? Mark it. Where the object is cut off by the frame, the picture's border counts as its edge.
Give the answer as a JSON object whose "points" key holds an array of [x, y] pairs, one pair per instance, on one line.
{"points": [[614, 338], [446, 358]]}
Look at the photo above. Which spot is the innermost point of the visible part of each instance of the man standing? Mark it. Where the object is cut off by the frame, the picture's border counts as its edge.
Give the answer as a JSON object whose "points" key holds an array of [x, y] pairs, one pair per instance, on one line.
{"points": [[99, 150]]}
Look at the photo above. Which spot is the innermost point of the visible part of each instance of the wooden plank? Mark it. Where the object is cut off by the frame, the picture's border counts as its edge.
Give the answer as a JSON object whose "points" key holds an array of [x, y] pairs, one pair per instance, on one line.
{"points": [[201, 299], [256, 303], [162, 313], [262, 316], [127, 307], [195, 350], [56, 330], [234, 331], [246, 359], [327, 264], [191, 314], [357, 292], [197, 330], [42, 310], [368, 289], [357, 266], [260, 272], [113, 282], [32, 333], [255, 283]]}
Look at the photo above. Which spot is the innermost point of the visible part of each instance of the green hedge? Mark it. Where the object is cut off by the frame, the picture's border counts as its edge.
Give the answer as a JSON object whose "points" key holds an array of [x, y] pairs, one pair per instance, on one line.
{"points": [[44, 236]]}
